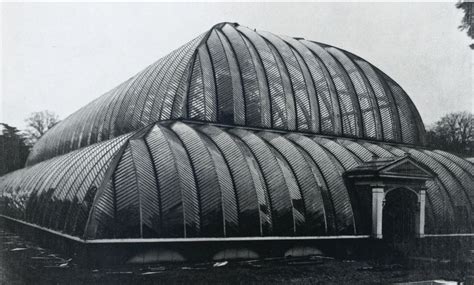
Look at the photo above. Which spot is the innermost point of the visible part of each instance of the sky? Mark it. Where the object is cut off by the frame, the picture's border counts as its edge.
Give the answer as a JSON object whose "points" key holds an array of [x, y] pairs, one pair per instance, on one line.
{"points": [[61, 56]]}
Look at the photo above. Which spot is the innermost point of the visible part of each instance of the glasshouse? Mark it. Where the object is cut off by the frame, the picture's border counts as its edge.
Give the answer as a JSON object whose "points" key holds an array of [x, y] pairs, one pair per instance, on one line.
{"points": [[243, 135]]}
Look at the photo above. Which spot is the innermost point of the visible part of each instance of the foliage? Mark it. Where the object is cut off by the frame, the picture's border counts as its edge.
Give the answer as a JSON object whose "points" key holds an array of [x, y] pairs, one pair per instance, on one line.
{"points": [[38, 124], [454, 132], [13, 149], [468, 19]]}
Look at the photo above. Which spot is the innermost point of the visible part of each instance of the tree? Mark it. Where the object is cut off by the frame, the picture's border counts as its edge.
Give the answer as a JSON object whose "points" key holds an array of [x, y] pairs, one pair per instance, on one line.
{"points": [[38, 124], [468, 19], [13, 149], [453, 132]]}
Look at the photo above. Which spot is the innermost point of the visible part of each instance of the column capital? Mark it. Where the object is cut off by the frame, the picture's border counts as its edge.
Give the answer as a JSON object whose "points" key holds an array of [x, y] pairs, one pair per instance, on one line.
{"points": [[378, 190], [377, 185]]}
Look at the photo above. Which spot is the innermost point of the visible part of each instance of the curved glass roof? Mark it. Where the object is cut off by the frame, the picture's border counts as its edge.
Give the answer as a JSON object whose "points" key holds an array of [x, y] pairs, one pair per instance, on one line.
{"points": [[239, 133], [181, 180], [234, 75]]}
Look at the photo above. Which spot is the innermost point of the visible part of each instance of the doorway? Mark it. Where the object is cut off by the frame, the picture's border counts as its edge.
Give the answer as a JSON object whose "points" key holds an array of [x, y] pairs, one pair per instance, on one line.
{"points": [[399, 216]]}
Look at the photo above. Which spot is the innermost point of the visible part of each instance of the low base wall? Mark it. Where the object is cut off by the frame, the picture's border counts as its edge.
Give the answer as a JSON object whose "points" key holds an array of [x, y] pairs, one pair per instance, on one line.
{"points": [[105, 253]]}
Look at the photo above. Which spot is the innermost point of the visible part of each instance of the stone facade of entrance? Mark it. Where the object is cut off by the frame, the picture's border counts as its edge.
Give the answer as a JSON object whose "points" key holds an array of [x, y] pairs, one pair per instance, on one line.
{"points": [[383, 175], [378, 201]]}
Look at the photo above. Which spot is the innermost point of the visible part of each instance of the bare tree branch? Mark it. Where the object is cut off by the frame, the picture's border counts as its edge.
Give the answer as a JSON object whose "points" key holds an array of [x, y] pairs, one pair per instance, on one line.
{"points": [[454, 132], [38, 124], [467, 23]]}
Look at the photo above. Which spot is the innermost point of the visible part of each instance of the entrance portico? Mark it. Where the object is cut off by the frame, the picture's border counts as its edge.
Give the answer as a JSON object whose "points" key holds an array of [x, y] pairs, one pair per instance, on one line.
{"points": [[383, 176]]}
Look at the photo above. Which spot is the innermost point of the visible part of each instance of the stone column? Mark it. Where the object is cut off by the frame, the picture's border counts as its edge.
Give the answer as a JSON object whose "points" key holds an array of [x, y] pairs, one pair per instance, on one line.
{"points": [[378, 196], [420, 217]]}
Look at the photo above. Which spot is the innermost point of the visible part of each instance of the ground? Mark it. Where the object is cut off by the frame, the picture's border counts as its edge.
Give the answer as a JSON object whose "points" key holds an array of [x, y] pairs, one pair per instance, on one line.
{"points": [[24, 262]]}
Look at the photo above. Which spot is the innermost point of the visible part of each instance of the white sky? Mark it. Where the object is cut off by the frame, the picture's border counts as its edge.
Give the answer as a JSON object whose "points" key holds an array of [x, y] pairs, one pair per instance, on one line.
{"points": [[61, 56]]}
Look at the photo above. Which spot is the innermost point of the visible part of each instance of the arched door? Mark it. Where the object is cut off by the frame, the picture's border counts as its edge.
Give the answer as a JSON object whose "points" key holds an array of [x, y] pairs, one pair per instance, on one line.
{"points": [[399, 215]]}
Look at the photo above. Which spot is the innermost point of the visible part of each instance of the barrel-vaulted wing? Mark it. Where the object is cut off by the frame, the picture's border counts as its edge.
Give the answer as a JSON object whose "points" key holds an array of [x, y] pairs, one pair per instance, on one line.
{"points": [[237, 76], [183, 180], [238, 133]]}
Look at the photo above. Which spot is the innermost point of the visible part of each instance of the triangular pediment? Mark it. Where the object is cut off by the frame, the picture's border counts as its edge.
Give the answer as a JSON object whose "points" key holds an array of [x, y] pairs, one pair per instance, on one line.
{"points": [[406, 167]]}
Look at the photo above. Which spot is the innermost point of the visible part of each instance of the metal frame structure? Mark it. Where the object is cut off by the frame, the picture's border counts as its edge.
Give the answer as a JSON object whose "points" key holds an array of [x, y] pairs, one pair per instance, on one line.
{"points": [[237, 76], [178, 179], [238, 134]]}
